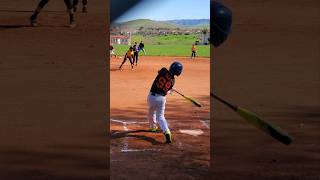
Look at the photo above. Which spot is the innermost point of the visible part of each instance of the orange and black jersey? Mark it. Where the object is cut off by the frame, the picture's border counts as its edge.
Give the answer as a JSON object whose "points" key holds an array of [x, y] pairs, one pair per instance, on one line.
{"points": [[129, 54], [163, 82]]}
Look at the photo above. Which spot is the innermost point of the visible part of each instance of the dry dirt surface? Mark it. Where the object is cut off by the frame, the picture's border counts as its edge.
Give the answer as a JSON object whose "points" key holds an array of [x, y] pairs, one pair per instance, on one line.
{"points": [[270, 65], [53, 93], [139, 154]]}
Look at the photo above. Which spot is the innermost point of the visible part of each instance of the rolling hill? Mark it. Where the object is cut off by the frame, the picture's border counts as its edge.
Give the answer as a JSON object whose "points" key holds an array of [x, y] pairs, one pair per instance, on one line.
{"points": [[170, 24]]}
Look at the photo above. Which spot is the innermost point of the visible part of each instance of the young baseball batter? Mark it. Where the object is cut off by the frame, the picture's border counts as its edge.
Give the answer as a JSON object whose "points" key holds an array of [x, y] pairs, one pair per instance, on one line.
{"points": [[162, 84], [128, 55]]}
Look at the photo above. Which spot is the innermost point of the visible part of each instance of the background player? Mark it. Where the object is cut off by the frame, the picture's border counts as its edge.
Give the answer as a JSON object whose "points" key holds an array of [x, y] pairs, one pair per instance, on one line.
{"points": [[193, 51], [84, 5], [112, 51], [42, 3], [157, 98], [141, 46], [136, 50], [128, 55]]}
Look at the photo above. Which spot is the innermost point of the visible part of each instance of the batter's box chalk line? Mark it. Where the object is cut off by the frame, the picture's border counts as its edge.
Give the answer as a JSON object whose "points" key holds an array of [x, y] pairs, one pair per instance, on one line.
{"points": [[125, 144], [139, 150], [192, 132], [125, 122], [205, 123]]}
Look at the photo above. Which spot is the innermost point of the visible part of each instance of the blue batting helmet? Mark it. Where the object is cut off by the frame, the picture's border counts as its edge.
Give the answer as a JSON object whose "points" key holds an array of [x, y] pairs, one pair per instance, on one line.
{"points": [[176, 68], [220, 25]]}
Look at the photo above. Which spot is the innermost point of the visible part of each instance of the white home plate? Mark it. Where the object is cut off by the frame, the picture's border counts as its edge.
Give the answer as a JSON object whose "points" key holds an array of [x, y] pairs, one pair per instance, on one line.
{"points": [[195, 132]]}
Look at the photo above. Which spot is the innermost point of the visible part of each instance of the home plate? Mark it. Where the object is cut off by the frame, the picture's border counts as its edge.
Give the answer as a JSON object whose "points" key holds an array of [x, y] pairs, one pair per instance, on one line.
{"points": [[196, 132]]}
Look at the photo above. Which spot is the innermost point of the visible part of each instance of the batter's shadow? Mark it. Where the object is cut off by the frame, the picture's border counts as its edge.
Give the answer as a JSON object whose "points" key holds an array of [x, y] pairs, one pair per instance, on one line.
{"points": [[13, 26], [117, 135], [114, 69]]}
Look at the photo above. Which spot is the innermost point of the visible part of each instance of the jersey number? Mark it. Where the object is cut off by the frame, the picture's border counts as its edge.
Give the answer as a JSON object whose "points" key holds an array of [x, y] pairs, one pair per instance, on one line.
{"points": [[164, 84]]}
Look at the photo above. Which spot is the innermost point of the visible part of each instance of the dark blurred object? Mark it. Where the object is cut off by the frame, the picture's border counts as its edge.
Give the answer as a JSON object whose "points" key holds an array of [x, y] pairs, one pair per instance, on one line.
{"points": [[119, 7], [220, 22]]}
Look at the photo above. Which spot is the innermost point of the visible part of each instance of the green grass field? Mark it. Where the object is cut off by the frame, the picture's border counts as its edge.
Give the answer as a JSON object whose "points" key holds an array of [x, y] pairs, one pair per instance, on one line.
{"points": [[166, 50], [170, 45]]}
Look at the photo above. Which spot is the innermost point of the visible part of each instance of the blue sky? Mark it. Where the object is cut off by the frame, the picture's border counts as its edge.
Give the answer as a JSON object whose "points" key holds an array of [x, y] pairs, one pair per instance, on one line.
{"points": [[168, 10]]}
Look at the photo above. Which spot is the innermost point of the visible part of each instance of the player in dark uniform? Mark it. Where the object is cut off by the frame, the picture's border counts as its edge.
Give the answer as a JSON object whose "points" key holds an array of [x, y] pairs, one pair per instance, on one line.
{"points": [[42, 3], [141, 46], [136, 50], [84, 5], [162, 84]]}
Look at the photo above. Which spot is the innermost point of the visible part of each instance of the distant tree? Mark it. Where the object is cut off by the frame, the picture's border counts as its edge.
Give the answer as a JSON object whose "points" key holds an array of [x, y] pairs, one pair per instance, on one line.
{"points": [[140, 28]]}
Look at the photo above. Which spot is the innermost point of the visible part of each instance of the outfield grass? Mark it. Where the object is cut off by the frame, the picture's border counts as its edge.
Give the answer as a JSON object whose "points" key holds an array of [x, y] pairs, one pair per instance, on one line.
{"points": [[167, 39], [166, 50], [167, 45]]}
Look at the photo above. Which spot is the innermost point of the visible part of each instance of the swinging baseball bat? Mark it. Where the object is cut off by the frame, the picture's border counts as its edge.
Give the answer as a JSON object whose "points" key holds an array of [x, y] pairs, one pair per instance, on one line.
{"points": [[274, 131], [188, 98]]}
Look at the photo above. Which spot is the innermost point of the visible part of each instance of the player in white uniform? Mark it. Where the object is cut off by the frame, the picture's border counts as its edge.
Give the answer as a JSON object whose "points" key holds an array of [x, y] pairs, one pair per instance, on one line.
{"points": [[157, 98]]}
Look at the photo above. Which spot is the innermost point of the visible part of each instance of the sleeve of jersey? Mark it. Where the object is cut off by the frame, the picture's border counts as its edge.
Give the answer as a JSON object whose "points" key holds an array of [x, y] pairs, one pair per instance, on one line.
{"points": [[172, 84], [162, 70]]}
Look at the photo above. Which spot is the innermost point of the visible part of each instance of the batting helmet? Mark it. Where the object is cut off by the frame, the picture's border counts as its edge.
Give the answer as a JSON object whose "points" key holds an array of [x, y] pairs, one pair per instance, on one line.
{"points": [[176, 68], [221, 22]]}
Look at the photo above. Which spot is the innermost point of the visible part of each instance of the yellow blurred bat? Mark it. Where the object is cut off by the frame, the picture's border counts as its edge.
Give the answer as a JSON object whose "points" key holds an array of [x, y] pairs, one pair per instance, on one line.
{"points": [[188, 98], [274, 131]]}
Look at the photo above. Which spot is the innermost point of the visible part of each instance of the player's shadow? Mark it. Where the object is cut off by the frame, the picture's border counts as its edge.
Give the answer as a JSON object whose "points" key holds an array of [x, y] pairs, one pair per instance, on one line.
{"points": [[117, 135], [13, 26], [114, 69]]}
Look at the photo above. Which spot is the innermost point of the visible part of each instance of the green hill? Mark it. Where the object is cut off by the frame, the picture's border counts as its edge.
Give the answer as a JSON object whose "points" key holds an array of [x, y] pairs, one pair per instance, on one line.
{"points": [[145, 23]]}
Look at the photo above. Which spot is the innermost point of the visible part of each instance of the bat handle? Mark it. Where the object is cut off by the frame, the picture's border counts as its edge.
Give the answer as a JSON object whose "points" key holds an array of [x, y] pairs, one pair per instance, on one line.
{"points": [[224, 102], [177, 92]]}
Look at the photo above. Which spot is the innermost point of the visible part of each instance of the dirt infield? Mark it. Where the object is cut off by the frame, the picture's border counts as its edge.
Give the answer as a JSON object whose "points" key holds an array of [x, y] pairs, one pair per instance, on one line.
{"points": [[139, 154], [53, 93]]}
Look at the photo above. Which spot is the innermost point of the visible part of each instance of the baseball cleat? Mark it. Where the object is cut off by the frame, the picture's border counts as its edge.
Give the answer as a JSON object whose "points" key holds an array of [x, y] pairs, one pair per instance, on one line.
{"points": [[154, 129], [168, 138], [33, 22], [72, 24]]}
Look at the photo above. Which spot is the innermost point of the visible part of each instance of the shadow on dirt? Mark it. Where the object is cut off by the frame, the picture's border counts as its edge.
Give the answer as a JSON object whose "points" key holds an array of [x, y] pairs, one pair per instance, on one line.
{"points": [[13, 26], [114, 69], [117, 135], [36, 164]]}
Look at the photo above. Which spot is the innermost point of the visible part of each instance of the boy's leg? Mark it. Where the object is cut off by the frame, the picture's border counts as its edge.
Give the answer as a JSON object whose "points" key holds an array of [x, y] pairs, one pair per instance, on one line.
{"points": [[33, 18], [130, 59], [133, 59], [72, 21], [161, 119], [160, 113], [137, 57], [124, 60], [152, 113], [75, 4], [84, 6]]}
